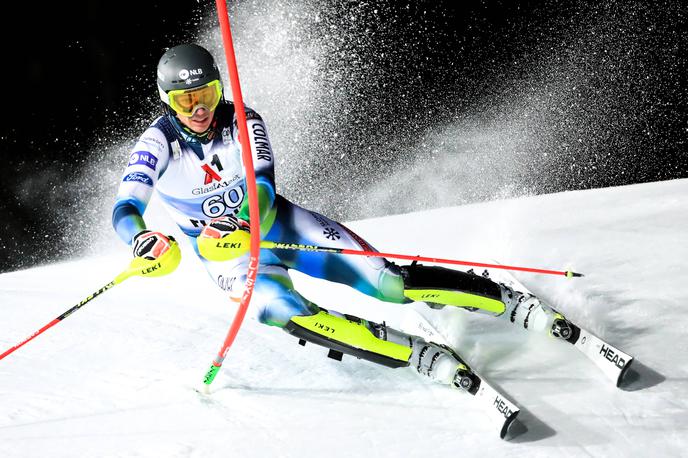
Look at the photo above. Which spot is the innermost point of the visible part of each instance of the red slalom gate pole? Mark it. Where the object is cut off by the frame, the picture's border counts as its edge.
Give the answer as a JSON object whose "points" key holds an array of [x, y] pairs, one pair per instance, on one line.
{"points": [[253, 211]]}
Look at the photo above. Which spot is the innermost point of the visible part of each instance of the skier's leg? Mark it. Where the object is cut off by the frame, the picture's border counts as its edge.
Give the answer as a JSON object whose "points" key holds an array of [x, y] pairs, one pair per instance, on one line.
{"points": [[275, 302], [375, 277], [439, 286], [346, 334], [379, 278]]}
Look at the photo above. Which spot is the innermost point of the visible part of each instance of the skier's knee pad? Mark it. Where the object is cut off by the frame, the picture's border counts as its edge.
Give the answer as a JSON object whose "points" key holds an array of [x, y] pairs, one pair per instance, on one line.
{"points": [[442, 286], [352, 336]]}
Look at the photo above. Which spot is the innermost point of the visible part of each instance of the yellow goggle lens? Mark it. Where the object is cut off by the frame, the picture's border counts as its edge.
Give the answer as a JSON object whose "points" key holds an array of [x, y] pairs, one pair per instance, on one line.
{"points": [[183, 101]]}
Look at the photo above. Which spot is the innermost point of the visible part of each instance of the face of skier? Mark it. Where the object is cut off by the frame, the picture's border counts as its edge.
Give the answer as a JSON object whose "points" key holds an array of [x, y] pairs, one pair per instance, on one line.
{"points": [[199, 121], [195, 107]]}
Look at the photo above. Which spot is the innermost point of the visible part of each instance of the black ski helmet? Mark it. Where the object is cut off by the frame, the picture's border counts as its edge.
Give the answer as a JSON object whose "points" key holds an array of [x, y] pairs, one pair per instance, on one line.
{"points": [[185, 66]]}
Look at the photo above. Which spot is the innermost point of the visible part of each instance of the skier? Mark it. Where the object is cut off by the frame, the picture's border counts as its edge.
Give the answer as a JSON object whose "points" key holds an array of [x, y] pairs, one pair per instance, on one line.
{"points": [[191, 156]]}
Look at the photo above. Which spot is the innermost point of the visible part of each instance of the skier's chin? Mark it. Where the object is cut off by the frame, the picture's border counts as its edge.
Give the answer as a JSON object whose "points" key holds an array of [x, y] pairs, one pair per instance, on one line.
{"points": [[200, 126]]}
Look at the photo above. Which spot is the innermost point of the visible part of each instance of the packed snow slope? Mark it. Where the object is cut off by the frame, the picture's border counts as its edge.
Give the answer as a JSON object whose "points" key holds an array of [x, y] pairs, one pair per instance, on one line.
{"points": [[116, 378]]}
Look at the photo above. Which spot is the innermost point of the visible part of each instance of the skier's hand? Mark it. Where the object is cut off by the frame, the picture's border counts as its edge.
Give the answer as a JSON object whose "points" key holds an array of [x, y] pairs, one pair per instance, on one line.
{"points": [[151, 245], [224, 238], [224, 226]]}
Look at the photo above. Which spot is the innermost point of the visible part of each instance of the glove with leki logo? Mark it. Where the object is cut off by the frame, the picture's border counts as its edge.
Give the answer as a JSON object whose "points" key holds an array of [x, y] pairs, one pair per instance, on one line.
{"points": [[224, 238]]}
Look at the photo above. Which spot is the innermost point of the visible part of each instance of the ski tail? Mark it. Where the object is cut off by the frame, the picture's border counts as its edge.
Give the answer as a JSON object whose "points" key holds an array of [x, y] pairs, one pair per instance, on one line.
{"points": [[498, 407], [613, 362]]}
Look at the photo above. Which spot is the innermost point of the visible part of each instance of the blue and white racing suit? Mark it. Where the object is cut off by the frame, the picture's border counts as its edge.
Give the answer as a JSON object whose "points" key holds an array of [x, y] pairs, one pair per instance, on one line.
{"points": [[199, 179]]}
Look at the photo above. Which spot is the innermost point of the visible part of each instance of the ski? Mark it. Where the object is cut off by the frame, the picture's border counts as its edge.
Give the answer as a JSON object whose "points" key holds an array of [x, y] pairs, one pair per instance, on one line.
{"points": [[613, 362], [498, 407]]}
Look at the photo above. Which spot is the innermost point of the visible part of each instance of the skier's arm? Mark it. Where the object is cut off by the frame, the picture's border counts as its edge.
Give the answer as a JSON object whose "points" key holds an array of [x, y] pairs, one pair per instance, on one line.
{"points": [[146, 164], [127, 219], [263, 163]]}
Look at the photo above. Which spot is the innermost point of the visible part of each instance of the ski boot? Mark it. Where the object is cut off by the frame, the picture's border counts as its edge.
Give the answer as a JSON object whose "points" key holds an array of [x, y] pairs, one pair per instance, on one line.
{"points": [[441, 364], [525, 309]]}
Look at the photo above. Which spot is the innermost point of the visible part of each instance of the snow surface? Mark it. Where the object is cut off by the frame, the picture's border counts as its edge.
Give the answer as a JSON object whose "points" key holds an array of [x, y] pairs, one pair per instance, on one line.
{"points": [[115, 379]]}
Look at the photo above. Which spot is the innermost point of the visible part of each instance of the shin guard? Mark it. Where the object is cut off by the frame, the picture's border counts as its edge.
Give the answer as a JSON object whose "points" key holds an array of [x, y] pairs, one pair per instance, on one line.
{"points": [[439, 286], [345, 334]]}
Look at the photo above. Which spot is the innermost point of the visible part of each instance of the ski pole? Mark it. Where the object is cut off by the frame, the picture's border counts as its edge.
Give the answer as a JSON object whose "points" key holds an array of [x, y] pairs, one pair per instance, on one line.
{"points": [[375, 254], [237, 244], [164, 265]]}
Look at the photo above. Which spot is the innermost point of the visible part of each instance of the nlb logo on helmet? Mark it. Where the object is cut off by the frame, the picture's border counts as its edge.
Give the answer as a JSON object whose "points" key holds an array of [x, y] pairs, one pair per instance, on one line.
{"points": [[185, 74]]}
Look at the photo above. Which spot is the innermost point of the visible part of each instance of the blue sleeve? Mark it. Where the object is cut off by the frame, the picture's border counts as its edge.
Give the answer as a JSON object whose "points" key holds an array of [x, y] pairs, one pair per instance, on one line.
{"points": [[147, 161], [127, 219]]}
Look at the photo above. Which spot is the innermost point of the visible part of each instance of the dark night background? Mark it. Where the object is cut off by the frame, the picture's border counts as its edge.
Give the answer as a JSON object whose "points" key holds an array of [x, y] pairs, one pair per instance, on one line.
{"points": [[76, 69], [73, 71]]}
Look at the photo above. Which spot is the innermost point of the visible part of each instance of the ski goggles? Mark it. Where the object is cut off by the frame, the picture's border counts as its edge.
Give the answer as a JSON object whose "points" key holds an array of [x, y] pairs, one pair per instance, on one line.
{"points": [[186, 101]]}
